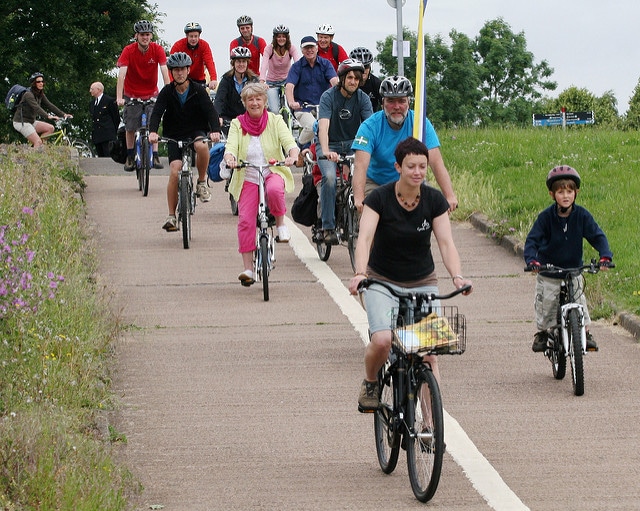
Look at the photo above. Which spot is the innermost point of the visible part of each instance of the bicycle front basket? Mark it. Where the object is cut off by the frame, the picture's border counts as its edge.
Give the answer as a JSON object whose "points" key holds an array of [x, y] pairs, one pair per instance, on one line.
{"points": [[436, 334]]}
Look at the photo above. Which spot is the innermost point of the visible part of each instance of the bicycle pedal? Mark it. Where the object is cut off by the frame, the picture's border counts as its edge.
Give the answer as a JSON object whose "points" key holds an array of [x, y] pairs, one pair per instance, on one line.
{"points": [[367, 410], [593, 350]]}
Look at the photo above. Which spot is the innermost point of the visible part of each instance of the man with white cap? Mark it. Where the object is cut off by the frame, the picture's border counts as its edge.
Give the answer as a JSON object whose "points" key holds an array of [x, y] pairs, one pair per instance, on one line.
{"points": [[308, 78]]}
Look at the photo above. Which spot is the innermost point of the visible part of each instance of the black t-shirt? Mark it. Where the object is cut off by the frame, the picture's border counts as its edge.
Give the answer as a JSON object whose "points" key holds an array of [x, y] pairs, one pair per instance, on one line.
{"points": [[401, 249]]}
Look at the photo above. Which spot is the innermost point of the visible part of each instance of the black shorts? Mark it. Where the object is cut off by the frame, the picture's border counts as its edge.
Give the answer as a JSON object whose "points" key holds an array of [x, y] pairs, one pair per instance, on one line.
{"points": [[174, 152]]}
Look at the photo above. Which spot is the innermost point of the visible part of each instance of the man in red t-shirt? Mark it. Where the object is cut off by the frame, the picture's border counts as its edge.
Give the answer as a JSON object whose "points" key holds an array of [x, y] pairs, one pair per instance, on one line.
{"points": [[138, 79], [200, 52], [327, 49], [255, 44]]}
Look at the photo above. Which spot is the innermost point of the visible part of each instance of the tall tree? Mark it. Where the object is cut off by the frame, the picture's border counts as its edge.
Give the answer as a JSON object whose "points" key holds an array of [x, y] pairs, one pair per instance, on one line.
{"points": [[507, 69], [633, 113], [72, 43]]}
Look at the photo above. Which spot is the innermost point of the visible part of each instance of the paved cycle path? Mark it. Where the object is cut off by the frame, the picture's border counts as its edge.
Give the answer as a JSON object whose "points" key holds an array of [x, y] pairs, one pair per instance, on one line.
{"points": [[232, 403]]}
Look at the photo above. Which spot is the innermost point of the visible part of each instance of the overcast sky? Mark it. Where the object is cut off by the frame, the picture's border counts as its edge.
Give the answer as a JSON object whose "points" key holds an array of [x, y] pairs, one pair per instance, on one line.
{"points": [[591, 44]]}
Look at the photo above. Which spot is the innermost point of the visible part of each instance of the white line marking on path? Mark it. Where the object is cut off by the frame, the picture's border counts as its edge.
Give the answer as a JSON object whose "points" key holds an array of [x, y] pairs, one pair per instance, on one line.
{"points": [[484, 478]]}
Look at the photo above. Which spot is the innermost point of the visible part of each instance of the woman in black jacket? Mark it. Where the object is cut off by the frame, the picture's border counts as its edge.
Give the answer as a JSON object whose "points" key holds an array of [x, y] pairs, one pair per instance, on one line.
{"points": [[228, 103]]}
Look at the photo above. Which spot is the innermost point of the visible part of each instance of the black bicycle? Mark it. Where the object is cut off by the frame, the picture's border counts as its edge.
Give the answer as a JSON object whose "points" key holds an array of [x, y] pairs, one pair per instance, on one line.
{"points": [[568, 337], [410, 414], [186, 191], [143, 149], [346, 214]]}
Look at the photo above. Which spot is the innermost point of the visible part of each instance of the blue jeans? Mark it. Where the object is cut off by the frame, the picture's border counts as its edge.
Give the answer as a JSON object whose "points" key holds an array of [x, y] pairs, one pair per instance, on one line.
{"points": [[273, 96], [328, 182]]}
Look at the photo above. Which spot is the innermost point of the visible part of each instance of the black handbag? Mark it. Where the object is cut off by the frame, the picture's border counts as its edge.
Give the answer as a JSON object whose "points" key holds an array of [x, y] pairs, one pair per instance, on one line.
{"points": [[305, 207]]}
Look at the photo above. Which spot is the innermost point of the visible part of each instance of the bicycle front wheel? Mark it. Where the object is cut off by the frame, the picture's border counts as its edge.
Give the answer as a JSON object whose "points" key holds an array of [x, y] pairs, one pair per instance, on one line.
{"points": [[84, 149], [264, 266], [385, 425], [575, 352], [558, 357], [147, 158], [183, 205], [425, 436], [352, 236]]}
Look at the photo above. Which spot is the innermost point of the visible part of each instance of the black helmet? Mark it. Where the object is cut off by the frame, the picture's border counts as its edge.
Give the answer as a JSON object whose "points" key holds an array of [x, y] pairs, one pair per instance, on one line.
{"points": [[281, 29], [349, 65], [362, 54], [244, 20], [142, 26], [192, 26], [396, 87], [178, 59], [562, 172], [35, 75], [240, 52]]}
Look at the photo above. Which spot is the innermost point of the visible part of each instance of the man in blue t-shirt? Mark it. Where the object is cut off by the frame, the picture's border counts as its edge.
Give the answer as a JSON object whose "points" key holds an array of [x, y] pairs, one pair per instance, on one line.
{"points": [[379, 135], [308, 78]]}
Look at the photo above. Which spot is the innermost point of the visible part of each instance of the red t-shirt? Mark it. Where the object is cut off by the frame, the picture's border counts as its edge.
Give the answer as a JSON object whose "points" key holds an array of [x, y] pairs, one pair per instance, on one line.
{"points": [[141, 80], [256, 46], [328, 54], [201, 57]]}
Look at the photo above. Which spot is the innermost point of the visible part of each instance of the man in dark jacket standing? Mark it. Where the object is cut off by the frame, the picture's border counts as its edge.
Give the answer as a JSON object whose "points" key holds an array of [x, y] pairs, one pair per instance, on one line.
{"points": [[186, 112], [105, 117]]}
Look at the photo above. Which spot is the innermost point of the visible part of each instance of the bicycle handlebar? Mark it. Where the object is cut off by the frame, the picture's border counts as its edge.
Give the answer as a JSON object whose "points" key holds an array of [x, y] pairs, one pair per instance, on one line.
{"points": [[186, 142], [270, 163], [593, 267], [365, 283]]}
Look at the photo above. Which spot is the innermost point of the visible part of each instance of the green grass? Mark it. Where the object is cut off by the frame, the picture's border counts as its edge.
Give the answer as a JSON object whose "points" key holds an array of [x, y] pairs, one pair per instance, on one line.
{"points": [[502, 172], [54, 377]]}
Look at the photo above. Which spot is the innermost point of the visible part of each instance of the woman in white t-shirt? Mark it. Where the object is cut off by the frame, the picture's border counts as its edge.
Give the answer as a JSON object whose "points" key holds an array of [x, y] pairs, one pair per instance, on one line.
{"points": [[276, 61]]}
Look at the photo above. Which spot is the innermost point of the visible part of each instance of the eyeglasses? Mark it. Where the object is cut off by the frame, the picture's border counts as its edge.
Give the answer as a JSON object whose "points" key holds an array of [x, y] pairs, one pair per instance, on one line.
{"points": [[39, 81], [344, 114]]}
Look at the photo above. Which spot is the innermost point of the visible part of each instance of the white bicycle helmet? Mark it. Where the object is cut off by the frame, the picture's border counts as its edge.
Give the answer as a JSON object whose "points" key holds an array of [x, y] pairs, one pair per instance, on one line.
{"points": [[240, 52], [326, 30]]}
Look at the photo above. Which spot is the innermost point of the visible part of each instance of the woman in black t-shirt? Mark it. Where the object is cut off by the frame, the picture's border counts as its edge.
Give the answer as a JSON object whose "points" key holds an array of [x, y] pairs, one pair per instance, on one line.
{"points": [[394, 245]]}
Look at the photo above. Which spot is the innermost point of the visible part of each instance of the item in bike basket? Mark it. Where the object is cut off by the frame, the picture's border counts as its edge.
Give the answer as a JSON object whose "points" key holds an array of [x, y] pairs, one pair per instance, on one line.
{"points": [[216, 153], [431, 332], [305, 207]]}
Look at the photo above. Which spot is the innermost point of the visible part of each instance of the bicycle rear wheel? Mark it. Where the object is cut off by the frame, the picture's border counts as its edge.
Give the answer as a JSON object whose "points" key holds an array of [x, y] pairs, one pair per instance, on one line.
{"points": [[575, 353], [183, 210], [84, 149], [425, 438], [385, 425]]}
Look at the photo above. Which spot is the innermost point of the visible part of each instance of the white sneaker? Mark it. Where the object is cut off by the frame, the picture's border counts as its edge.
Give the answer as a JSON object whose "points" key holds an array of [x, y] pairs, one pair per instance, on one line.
{"points": [[246, 278], [283, 234], [225, 172], [203, 193]]}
